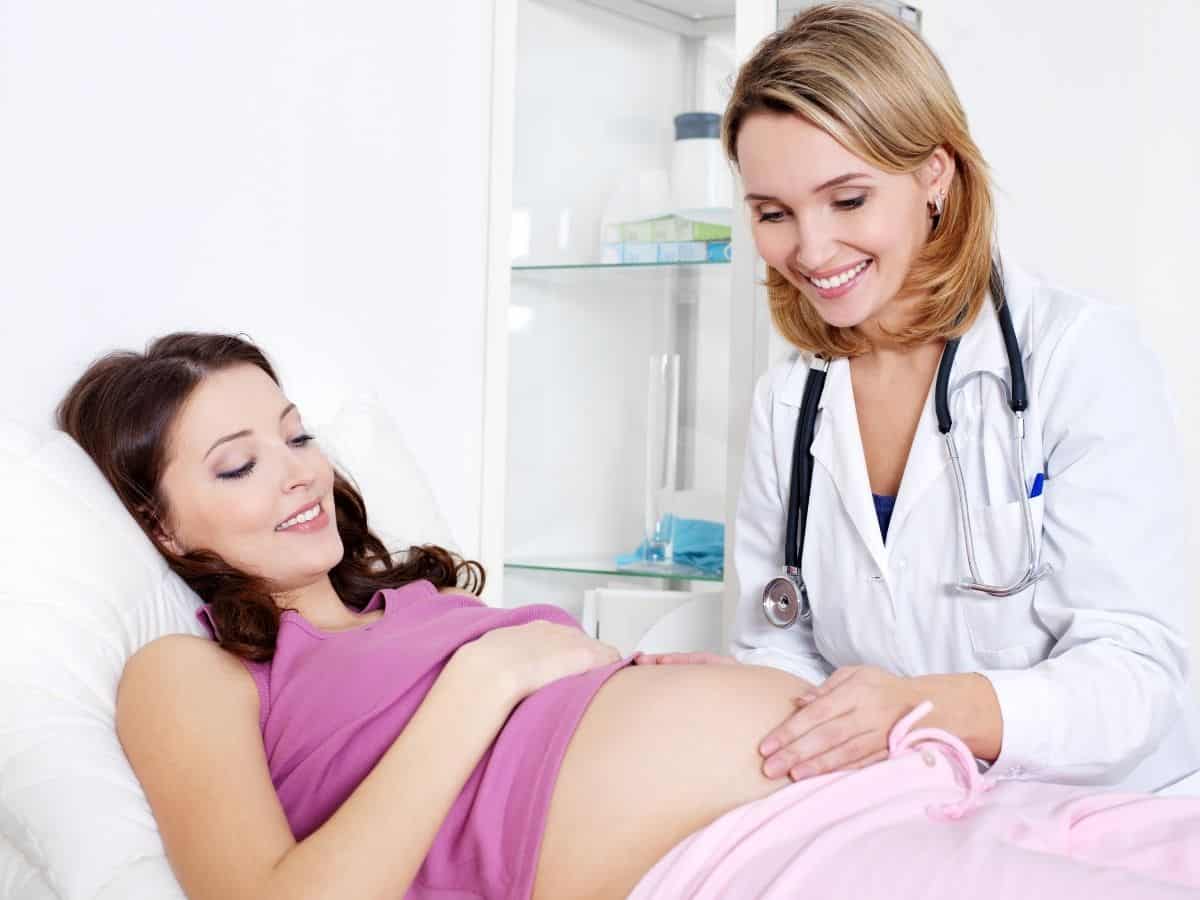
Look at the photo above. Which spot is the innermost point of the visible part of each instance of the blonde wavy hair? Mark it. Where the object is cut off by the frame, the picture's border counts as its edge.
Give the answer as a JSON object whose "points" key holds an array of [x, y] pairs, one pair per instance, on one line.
{"points": [[876, 88]]}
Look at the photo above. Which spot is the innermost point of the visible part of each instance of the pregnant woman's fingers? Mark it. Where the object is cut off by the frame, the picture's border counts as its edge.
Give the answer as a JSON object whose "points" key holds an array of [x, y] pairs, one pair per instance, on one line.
{"points": [[539, 652], [684, 659]]}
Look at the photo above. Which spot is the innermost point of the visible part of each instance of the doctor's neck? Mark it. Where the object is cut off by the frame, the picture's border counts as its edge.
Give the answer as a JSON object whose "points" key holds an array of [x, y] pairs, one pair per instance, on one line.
{"points": [[886, 332], [888, 360]]}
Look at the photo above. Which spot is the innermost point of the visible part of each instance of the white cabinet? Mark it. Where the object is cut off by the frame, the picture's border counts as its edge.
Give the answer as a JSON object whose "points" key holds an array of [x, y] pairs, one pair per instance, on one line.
{"points": [[582, 311]]}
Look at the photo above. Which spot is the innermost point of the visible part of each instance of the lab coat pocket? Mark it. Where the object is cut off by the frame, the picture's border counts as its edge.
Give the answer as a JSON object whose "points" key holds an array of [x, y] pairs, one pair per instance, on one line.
{"points": [[1005, 632]]}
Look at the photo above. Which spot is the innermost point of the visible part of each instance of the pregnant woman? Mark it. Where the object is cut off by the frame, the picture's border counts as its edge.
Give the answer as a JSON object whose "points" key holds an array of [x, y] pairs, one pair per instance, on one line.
{"points": [[363, 727]]}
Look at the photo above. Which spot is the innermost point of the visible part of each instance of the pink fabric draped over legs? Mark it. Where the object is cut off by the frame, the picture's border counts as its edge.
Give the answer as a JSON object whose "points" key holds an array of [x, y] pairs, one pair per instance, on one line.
{"points": [[925, 824]]}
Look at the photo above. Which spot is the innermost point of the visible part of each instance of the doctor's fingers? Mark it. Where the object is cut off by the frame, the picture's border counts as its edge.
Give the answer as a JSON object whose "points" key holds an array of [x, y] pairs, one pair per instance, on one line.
{"points": [[834, 681], [820, 741], [835, 760], [809, 716], [831, 758], [877, 757]]}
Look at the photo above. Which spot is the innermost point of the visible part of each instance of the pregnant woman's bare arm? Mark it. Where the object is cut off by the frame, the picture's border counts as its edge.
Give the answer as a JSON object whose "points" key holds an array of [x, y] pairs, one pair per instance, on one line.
{"points": [[188, 719], [187, 716]]}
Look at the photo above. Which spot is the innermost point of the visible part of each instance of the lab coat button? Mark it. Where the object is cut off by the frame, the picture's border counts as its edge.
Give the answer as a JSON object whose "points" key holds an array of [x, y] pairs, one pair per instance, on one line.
{"points": [[928, 758], [1016, 772]]}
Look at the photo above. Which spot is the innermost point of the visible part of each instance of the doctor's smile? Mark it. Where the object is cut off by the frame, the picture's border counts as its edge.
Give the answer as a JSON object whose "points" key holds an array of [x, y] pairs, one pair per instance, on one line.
{"points": [[840, 282]]}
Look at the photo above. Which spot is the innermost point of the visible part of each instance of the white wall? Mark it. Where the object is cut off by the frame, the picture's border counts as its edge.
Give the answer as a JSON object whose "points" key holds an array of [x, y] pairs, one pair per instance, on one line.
{"points": [[314, 174], [1087, 115], [311, 173]]}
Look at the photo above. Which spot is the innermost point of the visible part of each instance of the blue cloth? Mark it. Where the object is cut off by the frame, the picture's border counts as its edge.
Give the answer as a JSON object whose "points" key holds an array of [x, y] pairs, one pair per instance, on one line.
{"points": [[883, 512], [696, 542]]}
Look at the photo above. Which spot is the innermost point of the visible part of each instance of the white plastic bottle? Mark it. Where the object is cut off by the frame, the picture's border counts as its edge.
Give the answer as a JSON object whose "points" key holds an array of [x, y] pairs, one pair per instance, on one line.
{"points": [[700, 176]]}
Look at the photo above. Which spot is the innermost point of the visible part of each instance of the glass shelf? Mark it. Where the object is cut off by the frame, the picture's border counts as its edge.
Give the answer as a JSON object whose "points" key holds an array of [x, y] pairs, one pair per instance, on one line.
{"points": [[562, 267], [592, 186], [607, 565]]}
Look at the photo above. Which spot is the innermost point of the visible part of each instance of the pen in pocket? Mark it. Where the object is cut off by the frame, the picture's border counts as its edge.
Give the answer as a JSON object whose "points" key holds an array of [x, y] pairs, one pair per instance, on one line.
{"points": [[1039, 482]]}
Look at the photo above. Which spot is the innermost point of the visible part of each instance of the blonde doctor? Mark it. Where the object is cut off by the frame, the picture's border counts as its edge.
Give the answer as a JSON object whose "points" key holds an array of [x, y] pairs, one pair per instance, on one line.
{"points": [[1035, 587]]}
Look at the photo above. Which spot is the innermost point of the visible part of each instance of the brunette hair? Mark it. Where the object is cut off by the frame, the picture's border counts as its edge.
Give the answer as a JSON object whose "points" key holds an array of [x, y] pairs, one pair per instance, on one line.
{"points": [[121, 411], [876, 87]]}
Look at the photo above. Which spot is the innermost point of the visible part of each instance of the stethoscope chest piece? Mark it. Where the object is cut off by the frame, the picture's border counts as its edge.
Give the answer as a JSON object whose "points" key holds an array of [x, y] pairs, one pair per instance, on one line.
{"points": [[785, 600]]}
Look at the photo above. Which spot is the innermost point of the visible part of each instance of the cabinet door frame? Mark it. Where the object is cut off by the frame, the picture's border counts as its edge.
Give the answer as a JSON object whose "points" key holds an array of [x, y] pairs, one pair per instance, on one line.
{"points": [[752, 341]]}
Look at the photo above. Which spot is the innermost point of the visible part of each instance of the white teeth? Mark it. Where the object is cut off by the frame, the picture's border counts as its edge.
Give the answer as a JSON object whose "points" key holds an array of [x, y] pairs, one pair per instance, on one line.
{"points": [[300, 519], [826, 284]]}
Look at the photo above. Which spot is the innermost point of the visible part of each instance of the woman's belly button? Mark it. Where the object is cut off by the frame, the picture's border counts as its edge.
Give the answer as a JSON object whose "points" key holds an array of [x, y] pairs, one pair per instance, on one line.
{"points": [[661, 752]]}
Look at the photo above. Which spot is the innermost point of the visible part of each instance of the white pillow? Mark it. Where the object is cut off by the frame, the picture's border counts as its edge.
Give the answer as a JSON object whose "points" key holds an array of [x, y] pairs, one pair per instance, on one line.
{"points": [[19, 880], [83, 589], [365, 442]]}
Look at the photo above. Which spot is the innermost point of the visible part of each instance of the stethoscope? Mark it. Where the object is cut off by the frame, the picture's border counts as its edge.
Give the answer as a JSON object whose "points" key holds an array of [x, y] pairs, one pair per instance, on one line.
{"points": [[785, 599]]}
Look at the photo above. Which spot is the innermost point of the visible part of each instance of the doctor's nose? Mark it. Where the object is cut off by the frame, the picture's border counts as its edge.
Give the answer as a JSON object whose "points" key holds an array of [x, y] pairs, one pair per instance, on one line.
{"points": [[814, 249]]}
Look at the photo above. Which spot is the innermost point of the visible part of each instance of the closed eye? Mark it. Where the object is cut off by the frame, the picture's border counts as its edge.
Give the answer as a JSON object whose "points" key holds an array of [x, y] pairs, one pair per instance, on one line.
{"points": [[238, 473], [300, 440], [770, 217], [852, 203]]}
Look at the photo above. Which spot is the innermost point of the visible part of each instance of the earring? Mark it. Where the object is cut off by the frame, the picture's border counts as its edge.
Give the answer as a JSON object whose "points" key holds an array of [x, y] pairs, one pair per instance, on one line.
{"points": [[935, 205]]}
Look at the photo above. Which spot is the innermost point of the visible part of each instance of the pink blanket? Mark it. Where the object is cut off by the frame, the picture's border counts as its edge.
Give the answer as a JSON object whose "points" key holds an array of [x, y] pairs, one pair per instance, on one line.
{"points": [[925, 824]]}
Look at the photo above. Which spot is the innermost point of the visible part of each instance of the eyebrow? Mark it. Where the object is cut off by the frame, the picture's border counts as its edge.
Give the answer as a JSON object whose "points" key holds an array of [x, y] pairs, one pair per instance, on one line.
{"points": [[832, 182], [245, 432]]}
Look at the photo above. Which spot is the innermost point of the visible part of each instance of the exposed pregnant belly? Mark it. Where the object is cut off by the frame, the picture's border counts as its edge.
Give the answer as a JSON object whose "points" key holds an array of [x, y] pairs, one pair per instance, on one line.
{"points": [[661, 752]]}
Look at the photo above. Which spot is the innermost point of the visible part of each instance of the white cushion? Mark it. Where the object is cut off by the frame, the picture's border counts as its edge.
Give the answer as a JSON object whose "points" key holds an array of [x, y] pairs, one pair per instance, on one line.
{"points": [[365, 442], [83, 589], [1185, 787], [20, 879]]}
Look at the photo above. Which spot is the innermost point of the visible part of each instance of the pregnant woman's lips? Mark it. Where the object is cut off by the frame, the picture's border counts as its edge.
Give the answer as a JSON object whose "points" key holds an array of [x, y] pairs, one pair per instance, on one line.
{"points": [[311, 518]]}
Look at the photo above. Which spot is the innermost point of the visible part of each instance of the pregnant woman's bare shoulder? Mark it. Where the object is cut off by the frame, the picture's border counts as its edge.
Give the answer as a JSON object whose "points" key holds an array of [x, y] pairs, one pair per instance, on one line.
{"points": [[187, 717]]}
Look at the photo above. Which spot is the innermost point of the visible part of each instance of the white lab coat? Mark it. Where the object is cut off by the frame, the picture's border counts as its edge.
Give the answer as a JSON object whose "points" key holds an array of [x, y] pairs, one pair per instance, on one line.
{"points": [[1090, 665]]}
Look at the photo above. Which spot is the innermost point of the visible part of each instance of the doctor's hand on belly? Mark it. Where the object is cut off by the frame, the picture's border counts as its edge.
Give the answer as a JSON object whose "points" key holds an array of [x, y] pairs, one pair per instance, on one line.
{"points": [[845, 722]]}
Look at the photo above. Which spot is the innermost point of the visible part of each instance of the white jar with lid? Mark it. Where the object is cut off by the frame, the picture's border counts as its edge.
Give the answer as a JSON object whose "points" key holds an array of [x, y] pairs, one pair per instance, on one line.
{"points": [[700, 175]]}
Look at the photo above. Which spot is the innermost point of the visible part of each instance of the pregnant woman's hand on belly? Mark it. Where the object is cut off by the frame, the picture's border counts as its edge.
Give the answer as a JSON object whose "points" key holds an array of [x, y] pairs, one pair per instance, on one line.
{"points": [[532, 655]]}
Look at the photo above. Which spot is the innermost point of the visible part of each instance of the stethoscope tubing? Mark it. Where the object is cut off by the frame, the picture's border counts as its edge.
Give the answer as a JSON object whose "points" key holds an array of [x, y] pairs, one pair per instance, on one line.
{"points": [[800, 489]]}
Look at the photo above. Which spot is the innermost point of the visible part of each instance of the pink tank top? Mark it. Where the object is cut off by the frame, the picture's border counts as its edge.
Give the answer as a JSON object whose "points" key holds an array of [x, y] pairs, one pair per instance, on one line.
{"points": [[333, 702]]}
